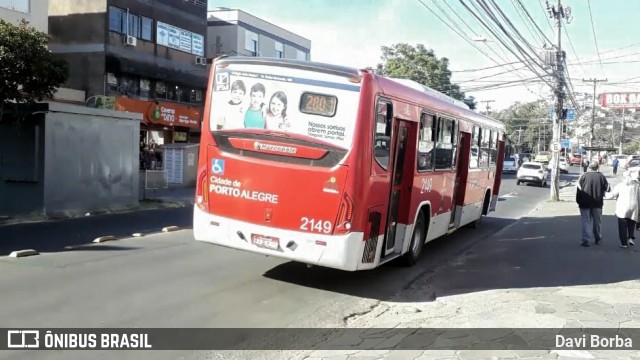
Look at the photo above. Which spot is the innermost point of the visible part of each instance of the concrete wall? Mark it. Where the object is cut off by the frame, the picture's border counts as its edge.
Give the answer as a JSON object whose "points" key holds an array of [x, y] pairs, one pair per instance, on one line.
{"points": [[36, 15], [91, 159], [21, 165]]}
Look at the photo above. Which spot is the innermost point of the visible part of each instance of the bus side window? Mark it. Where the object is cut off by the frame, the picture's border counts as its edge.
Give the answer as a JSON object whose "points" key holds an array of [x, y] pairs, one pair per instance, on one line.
{"points": [[382, 139], [494, 148], [444, 144], [425, 143], [485, 148], [475, 148]]}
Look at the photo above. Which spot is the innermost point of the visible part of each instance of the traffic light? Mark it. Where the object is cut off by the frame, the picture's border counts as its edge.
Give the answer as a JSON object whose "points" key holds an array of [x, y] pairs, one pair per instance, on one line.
{"points": [[564, 114]]}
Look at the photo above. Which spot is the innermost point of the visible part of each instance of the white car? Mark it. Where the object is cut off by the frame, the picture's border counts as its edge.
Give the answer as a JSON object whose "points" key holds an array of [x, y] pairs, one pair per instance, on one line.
{"points": [[534, 172], [564, 167], [510, 165]]}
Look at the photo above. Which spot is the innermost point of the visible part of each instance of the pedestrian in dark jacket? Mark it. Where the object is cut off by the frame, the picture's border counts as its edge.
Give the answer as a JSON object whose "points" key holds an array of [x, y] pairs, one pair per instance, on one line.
{"points": [[615, 164], [592, 186]]}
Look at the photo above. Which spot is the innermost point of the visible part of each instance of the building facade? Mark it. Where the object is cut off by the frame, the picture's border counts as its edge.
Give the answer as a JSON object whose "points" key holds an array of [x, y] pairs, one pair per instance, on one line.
{"points": [[137, 56], [235, 32], [33, 11]]}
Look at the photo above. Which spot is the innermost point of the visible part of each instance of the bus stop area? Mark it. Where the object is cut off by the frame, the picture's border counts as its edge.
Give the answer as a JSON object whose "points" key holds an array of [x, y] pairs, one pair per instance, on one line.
{"points": [[531, 274]]}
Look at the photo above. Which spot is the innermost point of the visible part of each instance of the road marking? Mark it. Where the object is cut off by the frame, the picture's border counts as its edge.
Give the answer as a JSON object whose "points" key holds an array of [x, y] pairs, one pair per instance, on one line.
{"points": [[23, 253], [102, 239]]}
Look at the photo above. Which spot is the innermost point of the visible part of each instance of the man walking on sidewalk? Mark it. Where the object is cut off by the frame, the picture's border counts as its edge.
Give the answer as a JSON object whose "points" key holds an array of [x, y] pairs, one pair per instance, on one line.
{"points": [[627, 207], [592, 186], [615, 166]]}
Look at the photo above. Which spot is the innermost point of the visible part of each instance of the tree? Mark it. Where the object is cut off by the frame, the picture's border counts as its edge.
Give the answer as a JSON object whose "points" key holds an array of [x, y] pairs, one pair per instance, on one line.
{"points": [[527, 125], [423, 66], [30, 72]]}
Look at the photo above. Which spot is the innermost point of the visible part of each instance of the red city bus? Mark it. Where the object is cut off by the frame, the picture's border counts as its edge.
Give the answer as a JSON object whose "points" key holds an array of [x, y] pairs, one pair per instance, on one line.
{"points": [[338, 167]]}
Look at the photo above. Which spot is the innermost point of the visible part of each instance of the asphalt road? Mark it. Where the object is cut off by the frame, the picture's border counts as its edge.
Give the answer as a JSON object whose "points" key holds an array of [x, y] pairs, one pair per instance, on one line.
{"points": [[169, 280]]}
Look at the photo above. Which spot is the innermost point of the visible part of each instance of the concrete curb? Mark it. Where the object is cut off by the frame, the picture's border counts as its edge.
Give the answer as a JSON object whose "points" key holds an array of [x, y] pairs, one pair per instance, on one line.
{"points": [[170, 228], [102, 239], [23, 253]]}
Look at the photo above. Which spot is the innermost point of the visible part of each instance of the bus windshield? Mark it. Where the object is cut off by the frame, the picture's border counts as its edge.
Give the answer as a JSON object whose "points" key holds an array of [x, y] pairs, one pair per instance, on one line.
{"points": [[278, 98]]}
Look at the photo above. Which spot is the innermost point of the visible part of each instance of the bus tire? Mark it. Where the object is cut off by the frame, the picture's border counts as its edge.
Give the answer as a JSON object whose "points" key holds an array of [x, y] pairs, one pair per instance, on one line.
{"points": [[485, 210], [417, 241]]}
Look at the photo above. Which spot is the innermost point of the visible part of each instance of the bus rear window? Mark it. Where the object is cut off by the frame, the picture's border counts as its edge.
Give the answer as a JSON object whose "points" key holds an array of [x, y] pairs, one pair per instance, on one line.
{"points": [[318, 104]]}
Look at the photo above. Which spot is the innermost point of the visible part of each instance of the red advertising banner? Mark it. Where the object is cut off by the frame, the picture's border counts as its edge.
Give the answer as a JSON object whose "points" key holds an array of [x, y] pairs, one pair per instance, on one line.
{"points": [[160, 112], [621, 100]]}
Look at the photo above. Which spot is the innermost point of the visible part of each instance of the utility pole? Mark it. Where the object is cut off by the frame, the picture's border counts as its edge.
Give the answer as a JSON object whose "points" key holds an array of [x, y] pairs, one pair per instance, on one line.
{"points": [[487, 101], [557, 13], [593, 112], [621, 133]]}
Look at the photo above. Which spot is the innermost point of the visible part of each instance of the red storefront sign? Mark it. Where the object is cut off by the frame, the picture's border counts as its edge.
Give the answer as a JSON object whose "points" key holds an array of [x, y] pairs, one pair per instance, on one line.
{"points": [[621, 100], [160, 112]]}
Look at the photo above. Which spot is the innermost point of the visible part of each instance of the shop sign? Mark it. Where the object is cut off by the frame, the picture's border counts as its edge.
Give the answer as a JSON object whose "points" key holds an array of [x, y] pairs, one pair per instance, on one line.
{"points": [[160, 112], [621, 100]]}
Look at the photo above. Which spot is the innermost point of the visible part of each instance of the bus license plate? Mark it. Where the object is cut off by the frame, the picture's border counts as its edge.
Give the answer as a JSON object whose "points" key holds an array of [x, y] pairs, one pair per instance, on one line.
{"points": [[266, 242]]}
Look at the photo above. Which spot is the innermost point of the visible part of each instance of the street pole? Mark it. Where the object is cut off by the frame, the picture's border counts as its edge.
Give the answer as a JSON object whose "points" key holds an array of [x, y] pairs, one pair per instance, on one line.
{"points": [[593, 113], [621, 133], [558, 14], [487, 101]]}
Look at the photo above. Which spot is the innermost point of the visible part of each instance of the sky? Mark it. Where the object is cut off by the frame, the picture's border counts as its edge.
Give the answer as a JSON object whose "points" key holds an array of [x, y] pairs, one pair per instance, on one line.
{"points": [[351, 33]]}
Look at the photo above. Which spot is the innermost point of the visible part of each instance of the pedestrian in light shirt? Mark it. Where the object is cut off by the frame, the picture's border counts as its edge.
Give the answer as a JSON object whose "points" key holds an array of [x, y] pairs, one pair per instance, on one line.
{"points": [[627, 207]]}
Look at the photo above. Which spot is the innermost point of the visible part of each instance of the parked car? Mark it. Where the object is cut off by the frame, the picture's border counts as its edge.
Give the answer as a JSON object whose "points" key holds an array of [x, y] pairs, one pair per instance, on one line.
{"points": [[533, 172], [632, 165], [628, 161], [622, 160], [575, 159], [564, 167], [543, 157], [510, 165]]}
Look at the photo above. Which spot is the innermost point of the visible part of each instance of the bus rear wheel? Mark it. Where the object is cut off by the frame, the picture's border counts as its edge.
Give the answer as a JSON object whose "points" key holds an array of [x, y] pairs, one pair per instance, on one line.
{"points": [[417, 242]]}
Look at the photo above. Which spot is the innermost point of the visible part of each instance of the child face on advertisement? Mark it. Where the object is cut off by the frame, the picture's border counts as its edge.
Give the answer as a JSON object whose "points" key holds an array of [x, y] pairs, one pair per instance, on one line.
{"points": [[276, 106], [256, 99], [236, 96]]}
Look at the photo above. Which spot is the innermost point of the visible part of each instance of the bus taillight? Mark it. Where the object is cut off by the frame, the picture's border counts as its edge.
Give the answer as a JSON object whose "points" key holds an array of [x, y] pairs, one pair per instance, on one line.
{"points": [[202, 193], [345, 213]]}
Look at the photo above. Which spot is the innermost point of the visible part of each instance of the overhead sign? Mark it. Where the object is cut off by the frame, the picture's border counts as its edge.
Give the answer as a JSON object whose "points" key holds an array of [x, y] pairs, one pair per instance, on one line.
{"points": [[556, 147], [571, 114], [566, 143], [179, 39], [621, 100]]}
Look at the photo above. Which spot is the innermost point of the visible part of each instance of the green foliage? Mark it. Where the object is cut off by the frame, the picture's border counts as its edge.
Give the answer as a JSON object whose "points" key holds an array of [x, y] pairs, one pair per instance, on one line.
{"points": [[632, 148], [30, 72], [532, 119], [423, 66]]}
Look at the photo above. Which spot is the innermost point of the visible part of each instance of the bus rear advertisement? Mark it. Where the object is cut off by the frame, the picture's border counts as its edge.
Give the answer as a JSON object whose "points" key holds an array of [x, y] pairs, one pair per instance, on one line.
{"points": [[308, 162]]}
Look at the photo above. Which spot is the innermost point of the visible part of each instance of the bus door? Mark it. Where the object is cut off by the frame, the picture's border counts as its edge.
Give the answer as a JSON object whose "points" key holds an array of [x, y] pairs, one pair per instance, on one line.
{"points": [[399, 179], [462, 172]]}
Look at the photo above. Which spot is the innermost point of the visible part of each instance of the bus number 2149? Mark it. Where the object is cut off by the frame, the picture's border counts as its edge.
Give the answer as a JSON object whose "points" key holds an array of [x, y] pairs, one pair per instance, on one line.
{"points": [[315, 225]]}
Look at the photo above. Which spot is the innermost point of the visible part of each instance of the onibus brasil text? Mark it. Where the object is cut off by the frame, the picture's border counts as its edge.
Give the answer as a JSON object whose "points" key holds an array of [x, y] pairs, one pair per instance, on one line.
{"points": [[95, 341]]}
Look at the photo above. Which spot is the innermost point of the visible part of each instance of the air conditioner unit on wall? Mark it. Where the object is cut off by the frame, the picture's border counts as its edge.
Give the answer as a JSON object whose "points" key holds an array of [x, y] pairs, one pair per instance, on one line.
{"points": [[130, 40]]}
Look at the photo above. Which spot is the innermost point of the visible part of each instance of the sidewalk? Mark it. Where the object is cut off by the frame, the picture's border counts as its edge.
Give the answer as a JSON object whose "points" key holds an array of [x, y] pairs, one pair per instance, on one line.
{"points": [[155, 199], [181, 195], [532, 274]]}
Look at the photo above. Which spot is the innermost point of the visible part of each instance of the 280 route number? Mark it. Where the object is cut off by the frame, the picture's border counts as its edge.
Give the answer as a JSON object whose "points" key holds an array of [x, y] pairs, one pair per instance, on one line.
{"points": [[315, 225]]}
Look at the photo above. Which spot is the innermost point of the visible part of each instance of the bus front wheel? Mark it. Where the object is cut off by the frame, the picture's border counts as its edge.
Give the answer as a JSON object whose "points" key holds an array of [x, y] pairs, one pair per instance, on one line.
{"points": [[417, 241]]}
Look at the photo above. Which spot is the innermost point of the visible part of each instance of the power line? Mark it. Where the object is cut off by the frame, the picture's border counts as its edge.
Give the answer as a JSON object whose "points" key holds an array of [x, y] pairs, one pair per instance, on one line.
{"points": [[485, 68], [533, 21], [595, 39]]}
